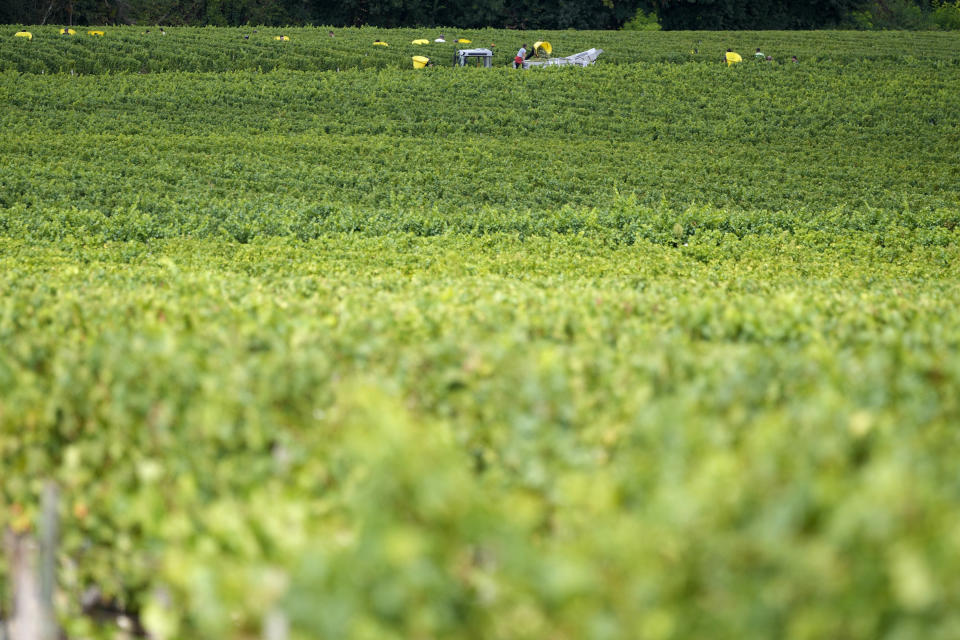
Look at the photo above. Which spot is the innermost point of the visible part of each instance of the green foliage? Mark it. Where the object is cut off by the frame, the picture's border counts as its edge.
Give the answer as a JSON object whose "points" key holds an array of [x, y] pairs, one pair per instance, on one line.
{"points": [[892, 14], [946, 15], [643, 21], [656, 348], [521, 14], [752, 14], [907, 14], [529, 14], [144, 50]]}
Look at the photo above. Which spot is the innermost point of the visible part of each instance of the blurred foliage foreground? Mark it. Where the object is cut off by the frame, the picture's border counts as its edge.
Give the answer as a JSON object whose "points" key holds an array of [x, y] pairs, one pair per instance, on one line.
{"points": [[440, 437], [662, 351]]}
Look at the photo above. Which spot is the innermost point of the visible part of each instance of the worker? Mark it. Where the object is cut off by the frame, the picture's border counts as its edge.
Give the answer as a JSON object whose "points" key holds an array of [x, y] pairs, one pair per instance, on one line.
{"points": [[759, 55], [440, 39], [520, 57]]}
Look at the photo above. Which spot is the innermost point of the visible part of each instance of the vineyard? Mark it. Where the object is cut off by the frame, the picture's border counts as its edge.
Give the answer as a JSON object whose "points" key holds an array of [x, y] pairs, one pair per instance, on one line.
{"points": [[145, 50], [316, 345]]}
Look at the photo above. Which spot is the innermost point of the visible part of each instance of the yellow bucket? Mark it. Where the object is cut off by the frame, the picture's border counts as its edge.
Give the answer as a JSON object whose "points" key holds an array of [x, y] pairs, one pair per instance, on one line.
{"points": [[419, 62], [544, 46]]}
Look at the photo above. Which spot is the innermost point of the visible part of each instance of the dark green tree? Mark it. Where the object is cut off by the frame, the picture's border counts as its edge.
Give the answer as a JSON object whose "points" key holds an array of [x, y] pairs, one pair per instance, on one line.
{"points": [[752, 14], [514, 14], [520, 14]]}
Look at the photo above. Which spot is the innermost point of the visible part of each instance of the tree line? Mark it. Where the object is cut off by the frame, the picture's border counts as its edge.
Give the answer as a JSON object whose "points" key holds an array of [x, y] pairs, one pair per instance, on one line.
{"points": [[504, 14], [512, 14]]}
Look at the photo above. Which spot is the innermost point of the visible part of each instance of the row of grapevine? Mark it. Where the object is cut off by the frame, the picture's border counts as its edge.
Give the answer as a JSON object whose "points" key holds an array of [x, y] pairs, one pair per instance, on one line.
{"points": [[190, 148], [312, 49], [503, 427]]}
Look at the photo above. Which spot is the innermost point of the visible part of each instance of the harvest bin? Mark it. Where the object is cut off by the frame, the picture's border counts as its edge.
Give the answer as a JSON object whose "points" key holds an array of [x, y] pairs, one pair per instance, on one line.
{"points": [[483, 57], [419, 62]]}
